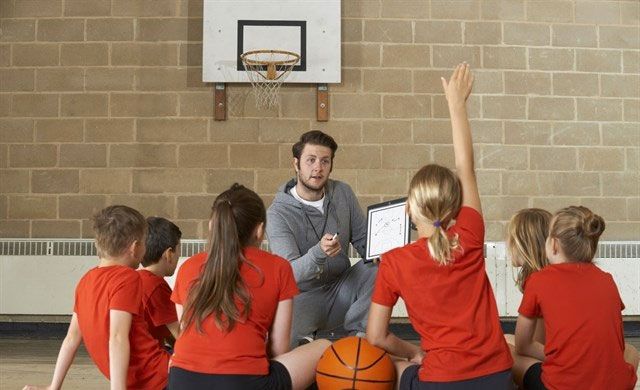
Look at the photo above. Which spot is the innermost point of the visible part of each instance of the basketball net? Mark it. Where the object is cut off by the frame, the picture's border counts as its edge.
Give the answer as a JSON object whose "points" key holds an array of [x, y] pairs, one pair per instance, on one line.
{"points": [[267, 70]]}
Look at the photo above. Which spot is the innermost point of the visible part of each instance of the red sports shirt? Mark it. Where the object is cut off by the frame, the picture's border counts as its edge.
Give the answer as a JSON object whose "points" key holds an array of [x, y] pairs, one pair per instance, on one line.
{"points": [[452, 306], [244, 349], [158, 308], [119, 288], [581, 306]]}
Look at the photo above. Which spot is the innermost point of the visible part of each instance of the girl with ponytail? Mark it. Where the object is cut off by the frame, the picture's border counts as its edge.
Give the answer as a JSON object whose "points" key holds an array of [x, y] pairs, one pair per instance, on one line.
{"points": [[581, 310], [235, 305], [441, 276]]}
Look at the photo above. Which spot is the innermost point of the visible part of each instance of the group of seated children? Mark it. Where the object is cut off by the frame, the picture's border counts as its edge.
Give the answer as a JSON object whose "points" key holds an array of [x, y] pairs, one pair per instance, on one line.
{"points": [[234, 302]]}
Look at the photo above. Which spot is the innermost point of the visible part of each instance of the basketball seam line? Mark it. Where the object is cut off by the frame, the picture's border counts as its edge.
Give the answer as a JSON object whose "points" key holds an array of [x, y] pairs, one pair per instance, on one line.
{"points": [[340, 359], [355, 372], [372, 364], [357, 380]]}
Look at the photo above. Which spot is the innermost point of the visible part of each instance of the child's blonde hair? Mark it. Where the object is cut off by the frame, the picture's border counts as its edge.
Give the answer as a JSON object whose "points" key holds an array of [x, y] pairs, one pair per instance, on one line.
{"points": [[435, 197], [526, 236], [578, 230]]}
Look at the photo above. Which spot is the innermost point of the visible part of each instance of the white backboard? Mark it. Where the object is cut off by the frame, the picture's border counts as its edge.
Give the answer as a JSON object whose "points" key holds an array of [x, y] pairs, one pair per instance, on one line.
{"points": [[310, 28]]}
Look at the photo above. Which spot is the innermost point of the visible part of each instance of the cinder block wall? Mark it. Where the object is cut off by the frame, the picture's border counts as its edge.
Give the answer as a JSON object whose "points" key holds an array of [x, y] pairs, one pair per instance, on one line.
{"points": [[101, 102]]}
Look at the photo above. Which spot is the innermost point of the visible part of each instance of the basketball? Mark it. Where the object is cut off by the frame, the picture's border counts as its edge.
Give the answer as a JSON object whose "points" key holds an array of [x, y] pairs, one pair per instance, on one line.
{"points": [[353, 363]]}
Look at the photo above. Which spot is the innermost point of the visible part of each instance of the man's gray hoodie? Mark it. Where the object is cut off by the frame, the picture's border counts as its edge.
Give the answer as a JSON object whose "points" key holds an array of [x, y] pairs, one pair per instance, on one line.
{"points": [[294, 231]]}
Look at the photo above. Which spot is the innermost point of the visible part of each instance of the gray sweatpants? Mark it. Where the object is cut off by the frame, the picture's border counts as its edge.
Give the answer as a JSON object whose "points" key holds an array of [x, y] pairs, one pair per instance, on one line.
{"points": [[344, 302]]}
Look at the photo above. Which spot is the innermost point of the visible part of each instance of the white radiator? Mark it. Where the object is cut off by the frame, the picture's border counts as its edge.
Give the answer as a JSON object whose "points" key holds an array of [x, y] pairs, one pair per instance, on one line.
{"points": [[38, 276]]}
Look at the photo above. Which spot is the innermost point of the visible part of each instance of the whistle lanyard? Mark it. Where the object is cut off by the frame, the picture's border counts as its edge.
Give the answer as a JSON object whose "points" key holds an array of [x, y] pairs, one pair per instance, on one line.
{"points": [[324, 225]]}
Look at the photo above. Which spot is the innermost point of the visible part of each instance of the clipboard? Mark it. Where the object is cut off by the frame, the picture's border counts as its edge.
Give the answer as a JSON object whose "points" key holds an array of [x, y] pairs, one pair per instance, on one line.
{"points": [[388, 227]]}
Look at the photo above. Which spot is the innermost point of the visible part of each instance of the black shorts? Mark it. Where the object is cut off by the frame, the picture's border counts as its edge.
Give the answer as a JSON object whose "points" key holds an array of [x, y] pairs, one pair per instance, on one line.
{"points": [[533, 378], [277, 379], [498, 381]]}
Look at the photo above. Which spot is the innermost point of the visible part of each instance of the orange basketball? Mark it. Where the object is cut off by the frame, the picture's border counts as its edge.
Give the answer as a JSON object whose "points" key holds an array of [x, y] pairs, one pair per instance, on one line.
{"points": [[353, 363]]}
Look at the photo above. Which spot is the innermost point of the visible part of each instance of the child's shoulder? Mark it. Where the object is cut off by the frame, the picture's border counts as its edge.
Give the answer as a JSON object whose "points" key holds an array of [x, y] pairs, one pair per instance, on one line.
{"points": [[195, 260], [104, 277], [149, 279], [265, 258], [412, 249]]}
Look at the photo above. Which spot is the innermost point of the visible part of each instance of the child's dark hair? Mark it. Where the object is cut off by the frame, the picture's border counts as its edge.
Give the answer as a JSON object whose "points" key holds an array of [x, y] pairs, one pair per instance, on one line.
{"points": [[220, 290], [578, 230], [116, 227], [314, 137], [162, 234]]}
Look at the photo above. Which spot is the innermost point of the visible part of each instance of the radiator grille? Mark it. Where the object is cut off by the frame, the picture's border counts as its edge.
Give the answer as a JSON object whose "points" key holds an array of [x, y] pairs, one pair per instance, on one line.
{"points": [[85, 247]]}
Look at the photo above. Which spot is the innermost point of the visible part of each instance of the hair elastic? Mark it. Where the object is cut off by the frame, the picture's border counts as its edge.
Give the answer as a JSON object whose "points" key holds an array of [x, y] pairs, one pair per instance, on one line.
{"points": [[437, 223]]}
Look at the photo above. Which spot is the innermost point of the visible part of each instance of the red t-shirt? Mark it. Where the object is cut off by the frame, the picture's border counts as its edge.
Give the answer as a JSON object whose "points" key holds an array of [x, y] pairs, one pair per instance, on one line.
{"points": [[244, 349], [452, 307], [156, 303], [580, 306], [119, 288]]}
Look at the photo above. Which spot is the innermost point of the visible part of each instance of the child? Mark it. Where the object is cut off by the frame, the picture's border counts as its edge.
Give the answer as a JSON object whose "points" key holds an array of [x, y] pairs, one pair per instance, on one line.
{"points": [[107, 314], [235, 306], [442, 277], [160, 260], [526, 236], [581, 305]]}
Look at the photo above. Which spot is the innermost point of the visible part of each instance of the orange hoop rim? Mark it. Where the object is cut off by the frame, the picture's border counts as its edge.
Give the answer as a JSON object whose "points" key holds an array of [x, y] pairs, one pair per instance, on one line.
{"points": [[244, 57]]}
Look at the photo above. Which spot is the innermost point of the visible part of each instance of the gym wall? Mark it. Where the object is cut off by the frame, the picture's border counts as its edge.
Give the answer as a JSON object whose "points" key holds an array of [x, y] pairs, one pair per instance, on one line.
{"points": [[101, 102]]}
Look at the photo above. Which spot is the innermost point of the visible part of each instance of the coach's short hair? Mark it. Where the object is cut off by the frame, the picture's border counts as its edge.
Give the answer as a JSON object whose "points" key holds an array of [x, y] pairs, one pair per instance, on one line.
{"points": [[314, 137]]}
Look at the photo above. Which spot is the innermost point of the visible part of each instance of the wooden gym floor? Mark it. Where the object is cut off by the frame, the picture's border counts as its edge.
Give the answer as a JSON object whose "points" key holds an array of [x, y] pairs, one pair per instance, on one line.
{"points": [[31, 361]]}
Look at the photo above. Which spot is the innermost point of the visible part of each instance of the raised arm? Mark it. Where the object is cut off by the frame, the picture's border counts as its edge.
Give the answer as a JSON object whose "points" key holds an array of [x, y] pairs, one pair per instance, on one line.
{"points": [[65, 356], [457, 90]]}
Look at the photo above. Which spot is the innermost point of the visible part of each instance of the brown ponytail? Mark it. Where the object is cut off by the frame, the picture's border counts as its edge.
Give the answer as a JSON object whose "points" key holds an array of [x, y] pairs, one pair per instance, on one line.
{"points": [[220, 290], [578, 230]]}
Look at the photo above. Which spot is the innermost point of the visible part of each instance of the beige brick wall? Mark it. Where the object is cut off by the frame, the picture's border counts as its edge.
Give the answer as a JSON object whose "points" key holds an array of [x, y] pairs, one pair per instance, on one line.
{"points": [[101, 102]]}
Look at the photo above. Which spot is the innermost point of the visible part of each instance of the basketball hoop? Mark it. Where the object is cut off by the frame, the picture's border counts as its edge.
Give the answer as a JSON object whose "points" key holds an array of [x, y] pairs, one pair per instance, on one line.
{"points": [[267, 70]]}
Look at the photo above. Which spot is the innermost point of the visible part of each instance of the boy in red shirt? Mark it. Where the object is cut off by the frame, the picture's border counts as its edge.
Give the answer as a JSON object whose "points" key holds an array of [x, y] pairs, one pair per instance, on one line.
{"points": [[107, 314], [160, 260]]}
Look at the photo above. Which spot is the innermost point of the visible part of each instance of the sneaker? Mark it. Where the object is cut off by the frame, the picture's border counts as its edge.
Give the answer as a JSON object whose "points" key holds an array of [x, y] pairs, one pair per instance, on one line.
{"points": [[304, 340]]}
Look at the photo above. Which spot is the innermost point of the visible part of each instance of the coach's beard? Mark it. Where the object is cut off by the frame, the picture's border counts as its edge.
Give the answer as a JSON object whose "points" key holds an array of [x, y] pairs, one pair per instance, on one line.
{"points": [[311, 187]]}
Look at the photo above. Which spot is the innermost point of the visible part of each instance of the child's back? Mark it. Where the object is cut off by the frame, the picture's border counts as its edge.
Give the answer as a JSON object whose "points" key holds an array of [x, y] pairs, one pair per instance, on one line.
{"points": [[451, 306], [157, 306], [118, 288], [581, 308], [241, 350]]}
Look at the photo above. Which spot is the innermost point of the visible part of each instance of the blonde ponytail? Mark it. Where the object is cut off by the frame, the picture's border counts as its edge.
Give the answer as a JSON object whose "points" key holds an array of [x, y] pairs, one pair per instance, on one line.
{"points": [[435, 197]]}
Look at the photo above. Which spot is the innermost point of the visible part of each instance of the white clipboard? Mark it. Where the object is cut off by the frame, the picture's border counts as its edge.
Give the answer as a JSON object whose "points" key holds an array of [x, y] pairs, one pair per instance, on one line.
{"points": [[388, 227]]}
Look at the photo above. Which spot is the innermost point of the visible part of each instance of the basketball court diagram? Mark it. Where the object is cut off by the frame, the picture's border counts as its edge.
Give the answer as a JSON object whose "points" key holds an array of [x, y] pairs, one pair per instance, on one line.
{"points": [[387, 227]]}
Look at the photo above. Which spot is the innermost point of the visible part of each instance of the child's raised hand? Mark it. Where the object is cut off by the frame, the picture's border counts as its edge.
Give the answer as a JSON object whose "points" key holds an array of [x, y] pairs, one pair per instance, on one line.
{"points": [[458, 88], [30, 387]]}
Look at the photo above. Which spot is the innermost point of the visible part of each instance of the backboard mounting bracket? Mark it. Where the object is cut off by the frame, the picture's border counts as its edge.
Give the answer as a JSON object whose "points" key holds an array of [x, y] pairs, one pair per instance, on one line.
{"points": [[220, 102], [322, 102]]}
